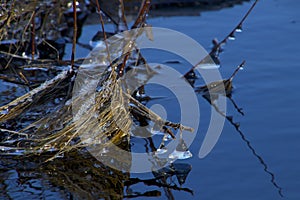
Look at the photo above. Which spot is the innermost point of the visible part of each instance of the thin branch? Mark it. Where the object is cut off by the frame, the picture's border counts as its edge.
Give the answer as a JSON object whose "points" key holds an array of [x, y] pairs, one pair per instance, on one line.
{"points": [[74, 34], [6, 20], [12, 80], [23, 77], [143, 110], [217, 45], [52, 47], [238, 26], [104, 33], [142, 14], [236, 70], [33, 36], [121, 71], [14, 132], [122, 14]]}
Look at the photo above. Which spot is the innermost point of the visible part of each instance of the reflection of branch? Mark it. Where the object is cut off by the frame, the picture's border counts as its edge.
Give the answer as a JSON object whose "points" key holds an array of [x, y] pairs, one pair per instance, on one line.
{"points": [[160, 179], [217, 45], [273, 181], [154, 182], [152, 193], [237, 128], [240, 110]]}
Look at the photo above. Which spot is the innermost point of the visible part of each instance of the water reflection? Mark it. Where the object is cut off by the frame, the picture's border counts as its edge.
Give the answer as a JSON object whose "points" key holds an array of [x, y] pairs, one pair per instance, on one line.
{"points": [[163, 178], [211, 98], [78, 175]]}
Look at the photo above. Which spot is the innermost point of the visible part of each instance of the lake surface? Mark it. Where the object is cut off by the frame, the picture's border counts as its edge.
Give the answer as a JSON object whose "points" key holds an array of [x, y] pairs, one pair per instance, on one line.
{"points": [[261, 159], [267, 90]]}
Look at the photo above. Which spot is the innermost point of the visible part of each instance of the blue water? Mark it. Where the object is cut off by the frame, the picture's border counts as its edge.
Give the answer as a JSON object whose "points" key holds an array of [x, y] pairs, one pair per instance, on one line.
{"points": [[267, 90]]}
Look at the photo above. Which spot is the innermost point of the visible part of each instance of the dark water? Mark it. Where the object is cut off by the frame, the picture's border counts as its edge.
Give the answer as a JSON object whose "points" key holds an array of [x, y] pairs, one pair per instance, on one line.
{"points": [[254, 163]]}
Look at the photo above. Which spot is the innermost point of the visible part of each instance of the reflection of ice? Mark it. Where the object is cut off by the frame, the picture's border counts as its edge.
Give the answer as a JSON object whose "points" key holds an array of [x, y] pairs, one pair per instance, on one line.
{"points": [[161, 150], [181, 171], [181, 151], [180, 155]]}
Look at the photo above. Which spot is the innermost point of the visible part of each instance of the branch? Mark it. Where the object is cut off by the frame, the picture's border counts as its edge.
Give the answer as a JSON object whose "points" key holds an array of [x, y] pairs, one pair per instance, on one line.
{"points": [[74, 34], [104, 33], [142, 14], [217, 45], [33, 36], [149, 114]]}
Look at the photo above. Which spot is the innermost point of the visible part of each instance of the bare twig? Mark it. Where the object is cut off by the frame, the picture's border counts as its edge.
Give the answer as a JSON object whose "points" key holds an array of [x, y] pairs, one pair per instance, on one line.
{"points": [[33, 35], [6, 20], [142, 14], [11, 80], [17, 106], [236, 70], [74, 34], [14, 132], [121, 71], [104, 33], [52, 47], [217, 45], [143, 110], [23, 77], [238, 26], [122, 14], [218, 87]]}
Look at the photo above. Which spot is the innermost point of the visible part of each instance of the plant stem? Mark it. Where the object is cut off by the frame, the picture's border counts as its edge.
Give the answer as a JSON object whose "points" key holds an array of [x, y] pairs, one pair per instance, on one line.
{"points": [[74, 34]]}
